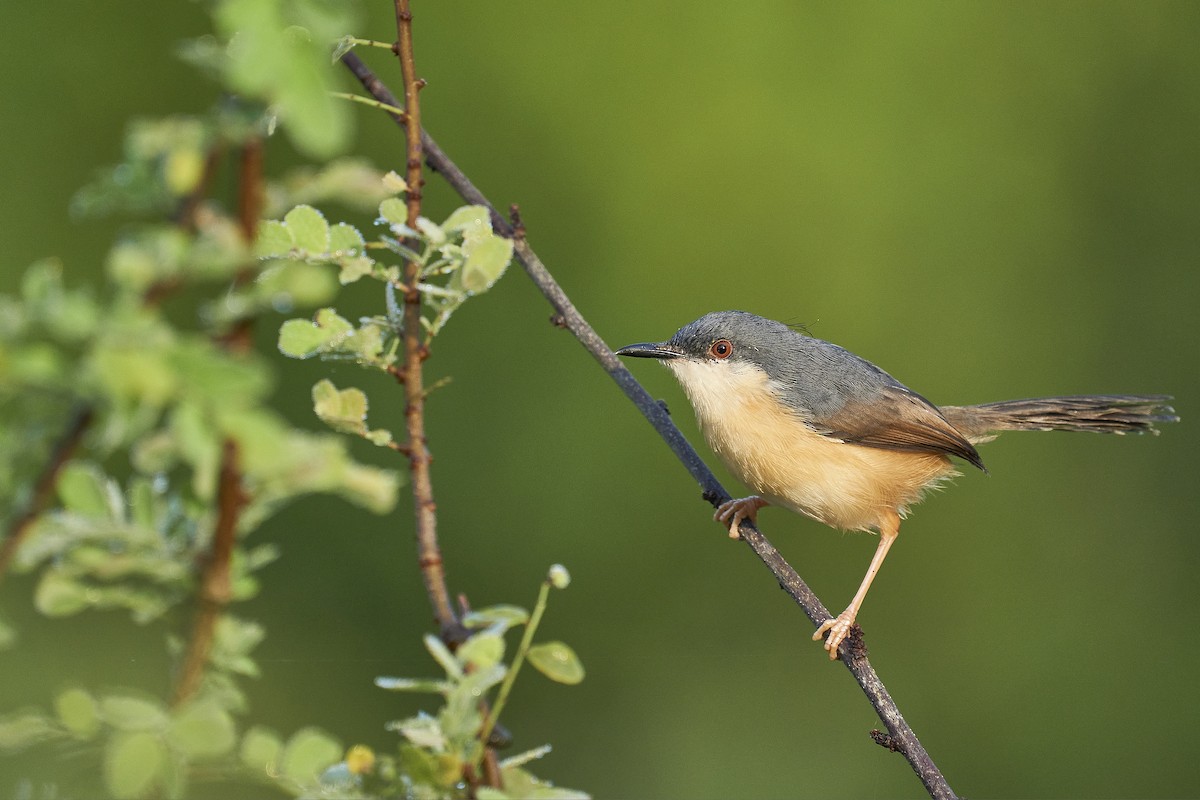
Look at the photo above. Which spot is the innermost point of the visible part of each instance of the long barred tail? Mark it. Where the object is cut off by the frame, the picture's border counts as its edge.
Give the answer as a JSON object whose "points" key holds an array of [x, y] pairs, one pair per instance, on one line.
{"points": [[1098, 413]]}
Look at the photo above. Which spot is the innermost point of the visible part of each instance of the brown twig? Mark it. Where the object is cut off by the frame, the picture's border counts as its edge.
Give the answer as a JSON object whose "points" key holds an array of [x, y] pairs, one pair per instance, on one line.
{"points": [[429, 554], [64, 448], [852, 653], [215, 588]]}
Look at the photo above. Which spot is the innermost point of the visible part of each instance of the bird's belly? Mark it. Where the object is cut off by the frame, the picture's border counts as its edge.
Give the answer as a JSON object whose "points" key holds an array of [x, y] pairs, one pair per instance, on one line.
{"points": [[844, 485]]}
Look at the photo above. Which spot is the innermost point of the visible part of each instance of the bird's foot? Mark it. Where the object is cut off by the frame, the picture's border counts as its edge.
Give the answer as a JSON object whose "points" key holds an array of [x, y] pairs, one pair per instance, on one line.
{"points": [[732, 512], [838, 630]]}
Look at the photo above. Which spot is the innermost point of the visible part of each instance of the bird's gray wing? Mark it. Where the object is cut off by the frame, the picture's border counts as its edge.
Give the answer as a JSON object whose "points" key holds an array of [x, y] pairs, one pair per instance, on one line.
{"points": [[846, 397]]}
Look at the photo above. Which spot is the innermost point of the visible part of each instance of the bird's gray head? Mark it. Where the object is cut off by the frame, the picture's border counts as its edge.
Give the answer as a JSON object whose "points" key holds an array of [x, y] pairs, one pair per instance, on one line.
{"points": [[812, 376], [736, 337]]}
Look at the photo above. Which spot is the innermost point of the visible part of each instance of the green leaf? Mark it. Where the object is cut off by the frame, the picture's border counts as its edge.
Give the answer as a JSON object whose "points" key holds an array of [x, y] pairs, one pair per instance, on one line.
{"points": [[308, 228], [344, 45], [354, 268], [345, 237], [557, 662], [468, 218], [133, 764], [307, 753], [342, 409], [129, 713], [301, 338], [487, 259], [59, 596], [261, 749], [25, 729], [425, 685], [521, 783], [202, 730], [274, 239], [394, 210], [393, 183], [503, 615], [432, 232], [481, 651], [83, 488], [423, 731], [78, 712], [443, 656]]}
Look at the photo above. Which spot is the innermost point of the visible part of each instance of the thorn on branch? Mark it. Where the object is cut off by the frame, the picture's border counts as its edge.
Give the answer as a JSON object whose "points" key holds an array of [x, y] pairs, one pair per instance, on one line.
{"points": [[663, 405], [518, 225], [855, 646], [558, 321], [712, 498], [885, 740], [420, 83]]}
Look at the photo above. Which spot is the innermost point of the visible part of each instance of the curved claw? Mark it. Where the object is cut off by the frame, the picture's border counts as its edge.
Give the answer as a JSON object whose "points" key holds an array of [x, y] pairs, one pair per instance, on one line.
{"points": [[838, 630], [732, 512]]}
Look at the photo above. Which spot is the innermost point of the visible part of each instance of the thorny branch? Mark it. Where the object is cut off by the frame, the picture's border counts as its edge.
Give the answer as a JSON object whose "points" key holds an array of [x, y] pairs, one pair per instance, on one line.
{"points": [[19, 528], [429, 554], [852, 651]]}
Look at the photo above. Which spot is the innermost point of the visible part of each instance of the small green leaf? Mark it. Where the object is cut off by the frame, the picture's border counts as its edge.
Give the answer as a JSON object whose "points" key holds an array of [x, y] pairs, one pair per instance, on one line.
{"points": [[308, 228], [343, 237], [468, 217], [78, 712], [505, 616], [25, 729], [394, 211], [133, 764], [481, 651], [432, 232], [274, 239], [307, 753], [342, 46], [300, 338], [129, 713], [557, 662], [83, 488], [60, 596], [261, 749], [342, 409], [353, 268], [202, 730], [393, 183], [422, 730], [443, 656], [487, 259], [425, 685]]}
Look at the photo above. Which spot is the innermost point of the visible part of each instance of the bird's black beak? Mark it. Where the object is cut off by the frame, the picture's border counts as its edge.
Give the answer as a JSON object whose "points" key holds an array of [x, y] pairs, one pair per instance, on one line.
{"points": [[662, 350]]}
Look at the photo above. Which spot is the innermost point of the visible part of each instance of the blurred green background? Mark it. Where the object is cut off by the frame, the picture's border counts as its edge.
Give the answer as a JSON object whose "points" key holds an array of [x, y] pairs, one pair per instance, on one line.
{"points": [[989, 200]]}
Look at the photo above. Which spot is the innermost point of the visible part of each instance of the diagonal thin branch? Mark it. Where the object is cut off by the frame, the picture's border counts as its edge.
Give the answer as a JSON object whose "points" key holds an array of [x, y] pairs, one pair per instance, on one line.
{"points": [[64, 448], [852, 652]]}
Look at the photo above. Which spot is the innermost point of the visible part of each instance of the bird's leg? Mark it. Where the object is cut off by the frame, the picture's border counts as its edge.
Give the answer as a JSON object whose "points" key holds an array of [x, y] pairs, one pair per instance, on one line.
{"points": [[732, 512], [839, 629]]}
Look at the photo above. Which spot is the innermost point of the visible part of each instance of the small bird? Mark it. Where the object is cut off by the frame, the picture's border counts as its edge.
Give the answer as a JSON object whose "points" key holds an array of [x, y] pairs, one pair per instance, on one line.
{"points": [[814, 428]]}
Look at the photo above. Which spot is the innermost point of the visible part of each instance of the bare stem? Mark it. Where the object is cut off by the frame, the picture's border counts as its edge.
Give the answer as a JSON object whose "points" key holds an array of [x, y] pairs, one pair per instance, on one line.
{"points": [[429, 554], [852, 652], [215, 590], [20, 526]]}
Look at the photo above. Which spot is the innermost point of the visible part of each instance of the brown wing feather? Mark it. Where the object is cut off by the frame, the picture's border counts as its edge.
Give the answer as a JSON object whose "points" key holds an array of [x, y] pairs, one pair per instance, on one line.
{"points": [[899, 419]]}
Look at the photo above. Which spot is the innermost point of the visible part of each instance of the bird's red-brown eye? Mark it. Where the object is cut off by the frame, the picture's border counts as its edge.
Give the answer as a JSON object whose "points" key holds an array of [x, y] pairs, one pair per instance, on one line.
{"points": [[721, 348]]}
